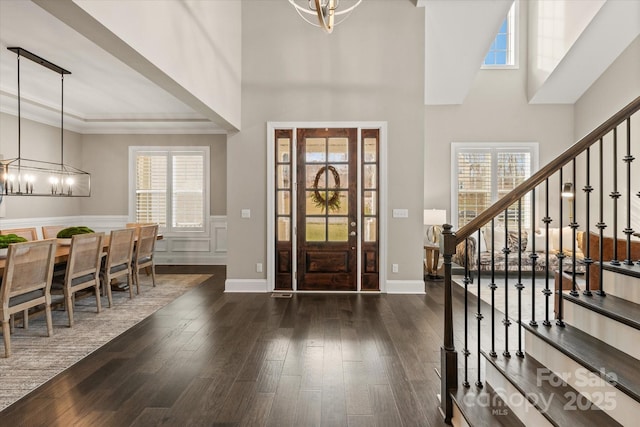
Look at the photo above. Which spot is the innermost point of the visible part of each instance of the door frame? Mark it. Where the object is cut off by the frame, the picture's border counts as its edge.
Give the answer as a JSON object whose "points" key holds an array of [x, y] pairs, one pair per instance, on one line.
{"points": [[382, 214]]}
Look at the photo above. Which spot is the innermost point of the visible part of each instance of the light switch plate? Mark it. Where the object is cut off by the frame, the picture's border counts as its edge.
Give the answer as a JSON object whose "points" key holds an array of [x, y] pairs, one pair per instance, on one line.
{"points": [[246, 213], [401, 213]]}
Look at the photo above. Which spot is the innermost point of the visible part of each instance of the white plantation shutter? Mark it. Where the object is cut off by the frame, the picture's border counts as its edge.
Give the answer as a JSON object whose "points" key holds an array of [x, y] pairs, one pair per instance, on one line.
{"points": [[188, 190], [484, 175], [170, 186]]}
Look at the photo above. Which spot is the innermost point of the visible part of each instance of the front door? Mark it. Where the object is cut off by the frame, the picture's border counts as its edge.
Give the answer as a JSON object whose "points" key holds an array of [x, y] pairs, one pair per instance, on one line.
{"points": [[327, 209]]}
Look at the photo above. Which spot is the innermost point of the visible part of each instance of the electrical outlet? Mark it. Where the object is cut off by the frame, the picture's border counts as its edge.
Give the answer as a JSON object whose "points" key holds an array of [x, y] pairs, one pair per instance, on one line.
{"points": [[259, 267], [394, 268]]}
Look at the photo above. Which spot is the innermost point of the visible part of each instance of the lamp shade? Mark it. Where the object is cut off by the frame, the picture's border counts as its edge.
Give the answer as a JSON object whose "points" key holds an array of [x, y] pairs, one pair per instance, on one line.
{"points": [[567, 190], [435, 216]]}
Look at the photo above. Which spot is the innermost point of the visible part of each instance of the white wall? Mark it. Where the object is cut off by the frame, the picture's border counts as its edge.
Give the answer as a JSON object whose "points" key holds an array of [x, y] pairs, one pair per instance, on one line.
{"points": [[294, 72]]}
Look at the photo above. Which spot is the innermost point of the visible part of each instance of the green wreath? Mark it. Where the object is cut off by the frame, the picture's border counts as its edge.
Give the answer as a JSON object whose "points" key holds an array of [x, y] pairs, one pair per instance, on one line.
{"points": [[334, 200]]}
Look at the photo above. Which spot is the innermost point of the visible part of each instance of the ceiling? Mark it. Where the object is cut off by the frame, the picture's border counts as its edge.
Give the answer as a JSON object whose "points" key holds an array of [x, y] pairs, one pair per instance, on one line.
{"points": [[105, 95], [102, 95]]}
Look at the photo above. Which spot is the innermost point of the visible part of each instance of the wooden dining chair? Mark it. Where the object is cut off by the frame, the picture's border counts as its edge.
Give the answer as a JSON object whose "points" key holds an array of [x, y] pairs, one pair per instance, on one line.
{"points": [[26, 283], [83, 269], [28, 233], [143, 253], [51, 231], [118, 262]]}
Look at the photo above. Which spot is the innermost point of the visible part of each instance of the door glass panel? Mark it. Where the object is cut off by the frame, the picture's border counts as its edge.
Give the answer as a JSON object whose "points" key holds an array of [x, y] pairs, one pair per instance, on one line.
{"points": [[283, 150], [370, 178], [370, 229], [370, 203], [284, 228], [283, 199], [370, 150], [339, 178], [338, 150], [338, 229], [338, 203], [284, 176], [316, 150], [316, 229], [316, 202], [316, 177]]}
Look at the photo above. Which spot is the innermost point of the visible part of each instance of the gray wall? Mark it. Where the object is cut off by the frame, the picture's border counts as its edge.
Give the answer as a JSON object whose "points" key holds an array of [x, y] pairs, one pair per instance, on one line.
{"points": [[294, 72], [106, 158]]}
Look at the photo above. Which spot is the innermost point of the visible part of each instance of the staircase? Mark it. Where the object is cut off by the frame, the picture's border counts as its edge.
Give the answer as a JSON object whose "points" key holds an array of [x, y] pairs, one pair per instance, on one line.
{"points": [[580, 367]]}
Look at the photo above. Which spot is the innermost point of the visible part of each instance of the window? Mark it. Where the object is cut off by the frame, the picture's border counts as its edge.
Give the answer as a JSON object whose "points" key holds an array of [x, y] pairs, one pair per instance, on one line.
{"points": [[502, 52], [169, 186], [483, 173]]}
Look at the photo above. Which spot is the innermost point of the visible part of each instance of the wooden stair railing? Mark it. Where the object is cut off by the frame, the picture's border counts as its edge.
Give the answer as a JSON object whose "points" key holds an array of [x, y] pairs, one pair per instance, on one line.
{"points": [[451, 239]]}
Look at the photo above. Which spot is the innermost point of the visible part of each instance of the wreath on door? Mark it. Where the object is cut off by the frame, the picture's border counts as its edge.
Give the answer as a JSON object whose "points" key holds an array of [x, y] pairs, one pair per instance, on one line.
{"points": [[318, 200]]}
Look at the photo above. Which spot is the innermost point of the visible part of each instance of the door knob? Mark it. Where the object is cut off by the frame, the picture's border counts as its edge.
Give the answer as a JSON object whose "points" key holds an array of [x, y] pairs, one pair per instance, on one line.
{"points": [[353, 223], [353, 233]]}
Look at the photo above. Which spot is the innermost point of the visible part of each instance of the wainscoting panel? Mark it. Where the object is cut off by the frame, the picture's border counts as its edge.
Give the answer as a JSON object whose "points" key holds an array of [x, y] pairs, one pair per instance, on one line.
{"points": [[209, 248]]}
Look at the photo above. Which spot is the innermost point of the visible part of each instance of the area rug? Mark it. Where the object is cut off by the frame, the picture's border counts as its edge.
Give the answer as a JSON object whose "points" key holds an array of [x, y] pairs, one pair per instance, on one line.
{"points": [[36, 358]]}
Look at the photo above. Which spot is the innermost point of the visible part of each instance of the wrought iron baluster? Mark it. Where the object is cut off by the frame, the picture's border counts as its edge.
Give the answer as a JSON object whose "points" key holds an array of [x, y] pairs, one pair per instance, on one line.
{"points": [[465, 350], [479, 315], [587, 259], [519, 285], [615, 195], [601, 225], [560, 255], [574, 226], [534, 259], [628, 159], [546, 291], [506, 322], [493, 288]]}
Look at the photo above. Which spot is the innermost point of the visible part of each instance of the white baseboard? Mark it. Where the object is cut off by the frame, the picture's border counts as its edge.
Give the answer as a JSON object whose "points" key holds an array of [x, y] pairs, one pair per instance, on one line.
{"points": [[246, 285], [405, 287]]}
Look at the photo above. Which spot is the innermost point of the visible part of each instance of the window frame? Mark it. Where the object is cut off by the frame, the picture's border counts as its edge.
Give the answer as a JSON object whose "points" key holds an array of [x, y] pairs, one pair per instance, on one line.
{"points": [[513, 41], [494, 148], [169, 230]]}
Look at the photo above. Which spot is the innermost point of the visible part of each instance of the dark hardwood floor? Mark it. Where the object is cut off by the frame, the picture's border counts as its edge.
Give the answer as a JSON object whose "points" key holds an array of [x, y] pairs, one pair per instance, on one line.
{"points": [[217, 359]]}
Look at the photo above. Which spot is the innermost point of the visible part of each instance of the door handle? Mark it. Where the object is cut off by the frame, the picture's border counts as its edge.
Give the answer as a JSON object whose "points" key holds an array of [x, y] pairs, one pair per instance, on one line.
{"points": [[353, 233], [353, 223]]}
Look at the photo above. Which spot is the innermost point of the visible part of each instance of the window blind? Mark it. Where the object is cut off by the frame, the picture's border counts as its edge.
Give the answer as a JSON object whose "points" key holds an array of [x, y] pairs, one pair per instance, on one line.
{"points": [[151, 188], [188, 191]]}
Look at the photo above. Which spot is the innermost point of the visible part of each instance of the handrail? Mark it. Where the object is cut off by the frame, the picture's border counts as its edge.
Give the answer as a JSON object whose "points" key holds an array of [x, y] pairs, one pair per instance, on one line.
{"points": [[544, 173]]}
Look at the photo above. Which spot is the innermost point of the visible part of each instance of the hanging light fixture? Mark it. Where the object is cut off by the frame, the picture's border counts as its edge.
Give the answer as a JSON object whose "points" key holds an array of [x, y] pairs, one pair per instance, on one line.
{"points": [[327, 12], [27, 177]]}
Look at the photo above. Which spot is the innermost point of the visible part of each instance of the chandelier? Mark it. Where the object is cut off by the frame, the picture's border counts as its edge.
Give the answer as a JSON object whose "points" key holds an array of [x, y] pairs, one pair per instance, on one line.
{"points": [[327, 12], [28, 177]]}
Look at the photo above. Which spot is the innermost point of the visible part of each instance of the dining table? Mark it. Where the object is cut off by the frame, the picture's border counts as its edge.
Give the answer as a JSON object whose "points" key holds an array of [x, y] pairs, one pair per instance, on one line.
{"points": [[62, 252]]}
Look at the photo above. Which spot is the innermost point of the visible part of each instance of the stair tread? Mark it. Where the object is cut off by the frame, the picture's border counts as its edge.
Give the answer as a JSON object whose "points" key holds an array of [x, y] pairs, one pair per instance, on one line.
{"points": [[497, 414], [627, 270], [619, 309], [594, 355], [549, 393]]}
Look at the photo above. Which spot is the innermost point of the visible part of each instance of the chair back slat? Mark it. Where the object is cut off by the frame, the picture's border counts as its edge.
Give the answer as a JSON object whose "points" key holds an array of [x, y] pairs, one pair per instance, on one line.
{"points": [[28, 233]]}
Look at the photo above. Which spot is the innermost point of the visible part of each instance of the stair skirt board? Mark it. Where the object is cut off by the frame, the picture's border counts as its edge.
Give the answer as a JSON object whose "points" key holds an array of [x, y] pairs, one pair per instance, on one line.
{"points": [[622, 286], [613, 401], [616, 334], [516, 401], [458, 420]]}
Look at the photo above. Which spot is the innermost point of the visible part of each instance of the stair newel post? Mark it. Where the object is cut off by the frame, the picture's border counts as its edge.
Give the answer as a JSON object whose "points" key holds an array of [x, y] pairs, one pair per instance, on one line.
{"points": [[466, 281], [628, 159], [479, 315], [615, 195], [574, 225], [587, 259], [493, 288], [534, 259], [547, 220], [448, 354], [519, 285], [560, 254], [506, 322], [601, 225]]}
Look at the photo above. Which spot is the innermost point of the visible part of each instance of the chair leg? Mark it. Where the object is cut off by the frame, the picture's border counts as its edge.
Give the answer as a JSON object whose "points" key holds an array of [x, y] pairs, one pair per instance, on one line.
{"points": [[47, 310], [97, 290], [25, 318], [136, 280], [68, 298], [153, 274], [130, 282], [7, 337], [106, 283]]}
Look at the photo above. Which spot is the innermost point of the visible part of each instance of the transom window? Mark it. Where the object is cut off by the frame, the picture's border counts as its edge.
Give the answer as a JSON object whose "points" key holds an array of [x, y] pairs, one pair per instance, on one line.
{"points": [[483, 173], [169, 186], [502, 52]]}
